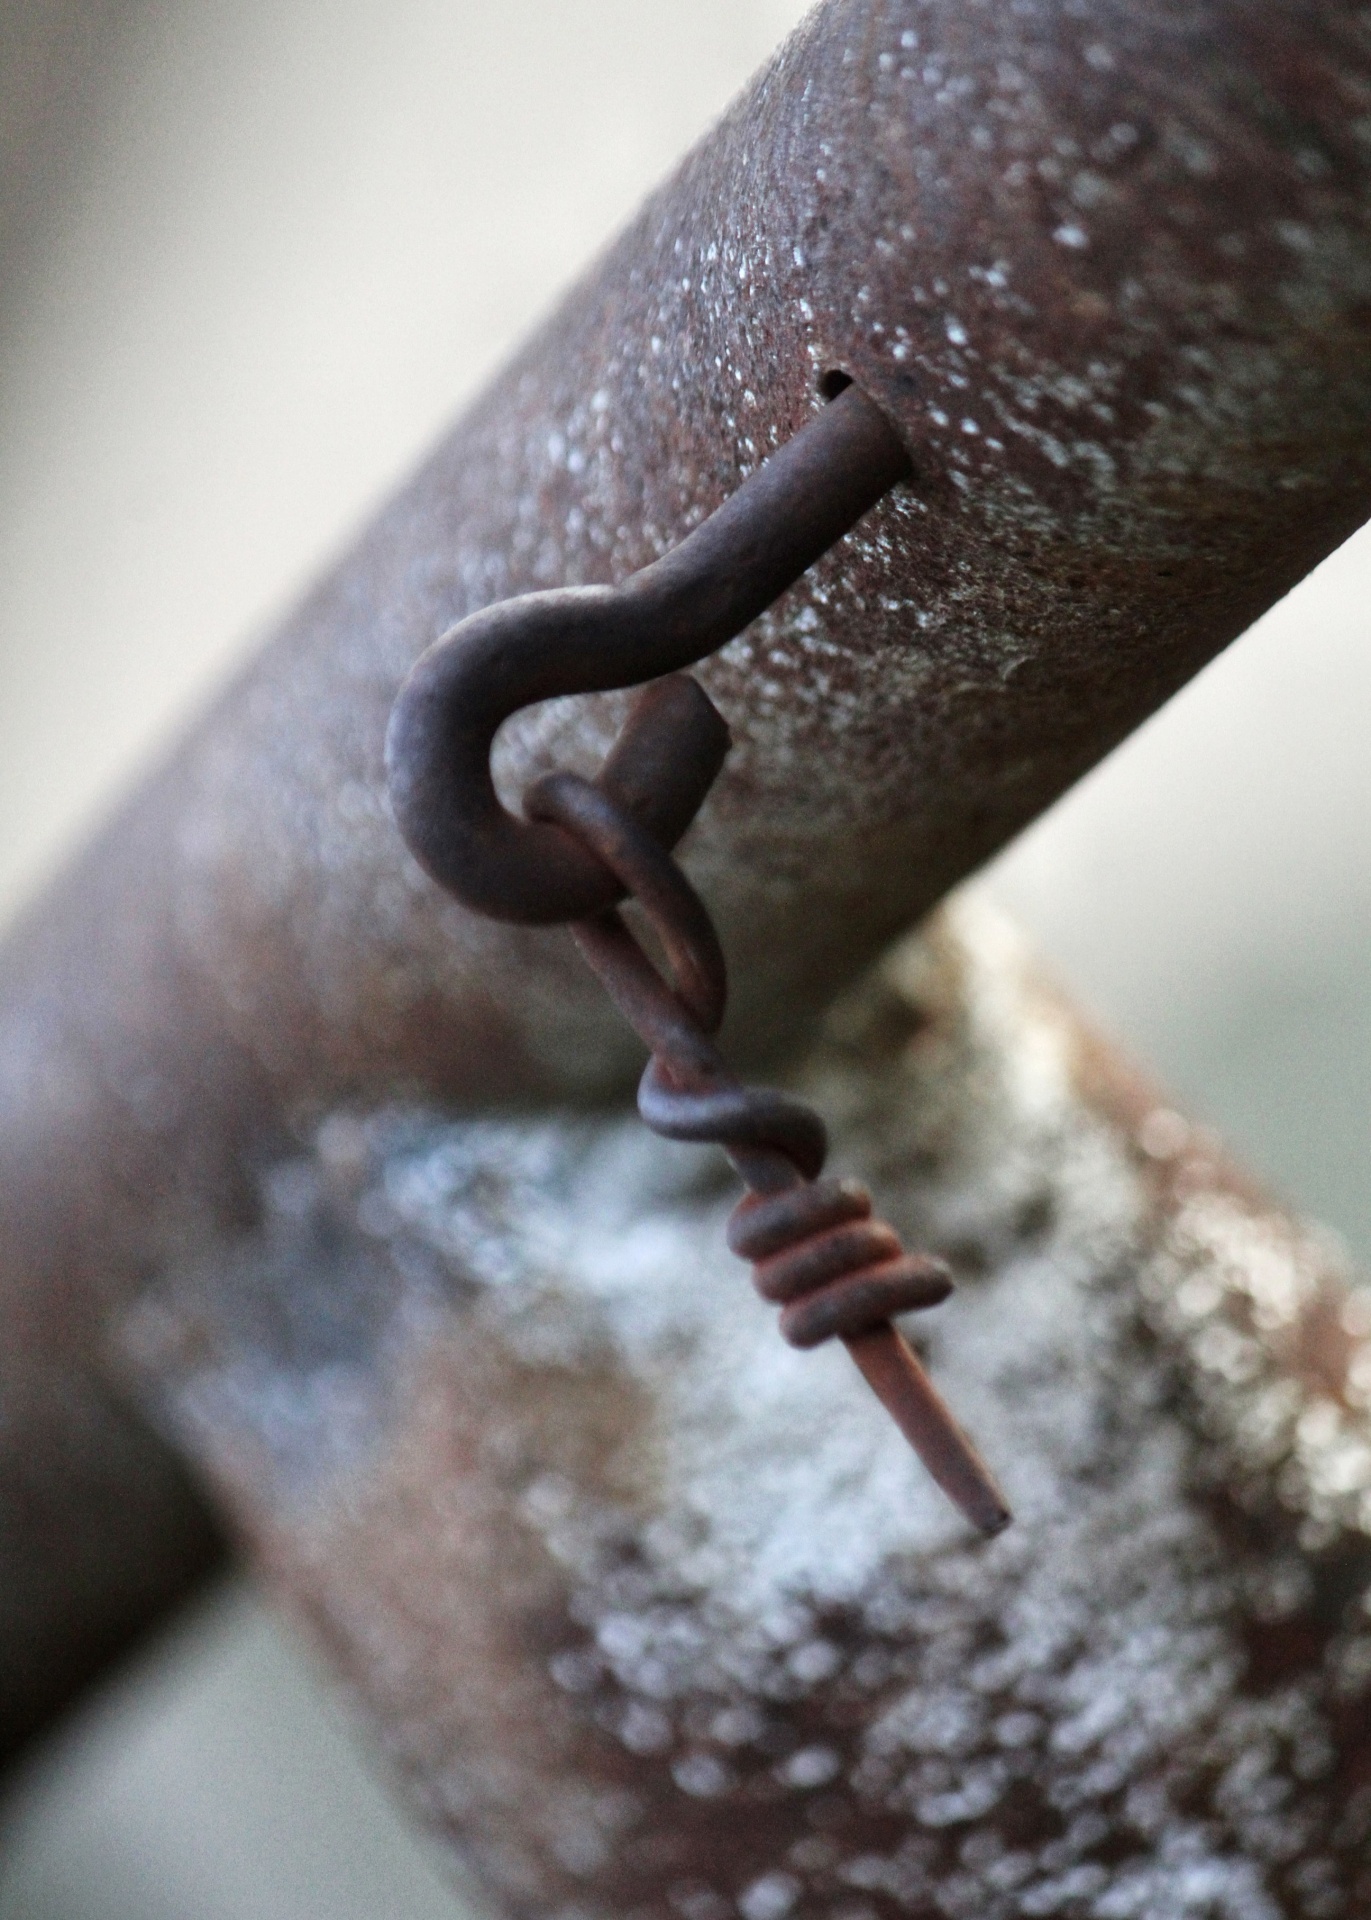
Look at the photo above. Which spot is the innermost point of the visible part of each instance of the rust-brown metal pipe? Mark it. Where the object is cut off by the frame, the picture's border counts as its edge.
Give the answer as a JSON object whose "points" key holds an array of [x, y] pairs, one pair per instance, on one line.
{"points": [[1107, 270]]}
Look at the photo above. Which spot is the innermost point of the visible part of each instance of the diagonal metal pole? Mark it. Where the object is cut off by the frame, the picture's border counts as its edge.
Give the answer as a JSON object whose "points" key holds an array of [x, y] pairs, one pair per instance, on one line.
{"points": [[1108, 271]]}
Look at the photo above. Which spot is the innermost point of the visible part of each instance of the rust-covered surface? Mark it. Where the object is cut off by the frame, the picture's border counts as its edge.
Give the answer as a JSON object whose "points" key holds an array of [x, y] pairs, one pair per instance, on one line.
{"points": [[1110, 275], [1107, 269], [655, 1618]]}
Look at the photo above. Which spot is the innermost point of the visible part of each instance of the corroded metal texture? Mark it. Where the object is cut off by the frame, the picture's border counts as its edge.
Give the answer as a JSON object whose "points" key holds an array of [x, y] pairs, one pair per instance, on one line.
{"points": [[655, 1619], [700, 595], [816, 1250], [578, 847], [1109, 272], [1106, 267]]}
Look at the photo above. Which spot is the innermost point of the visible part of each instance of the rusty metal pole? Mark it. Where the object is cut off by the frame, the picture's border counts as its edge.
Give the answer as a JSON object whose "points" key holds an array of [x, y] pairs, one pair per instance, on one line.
{"points": [[1107, 270]]}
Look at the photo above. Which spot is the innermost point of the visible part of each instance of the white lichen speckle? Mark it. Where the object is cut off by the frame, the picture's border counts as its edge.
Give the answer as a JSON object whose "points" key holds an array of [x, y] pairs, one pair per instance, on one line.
{"points": [[767, 1608]]}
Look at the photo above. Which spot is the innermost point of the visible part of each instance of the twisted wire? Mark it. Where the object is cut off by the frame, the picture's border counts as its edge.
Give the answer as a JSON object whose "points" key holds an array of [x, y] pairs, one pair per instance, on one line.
{"points": [[817, 1251], [582, 846]]}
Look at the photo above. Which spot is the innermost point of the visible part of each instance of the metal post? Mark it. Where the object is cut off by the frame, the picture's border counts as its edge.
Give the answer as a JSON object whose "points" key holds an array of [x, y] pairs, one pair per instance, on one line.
{"points": [[1108, 271]]}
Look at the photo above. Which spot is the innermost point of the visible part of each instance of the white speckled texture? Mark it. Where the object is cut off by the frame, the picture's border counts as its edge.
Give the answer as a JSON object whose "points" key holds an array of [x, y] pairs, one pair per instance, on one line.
{"points": [[659, 1616]]}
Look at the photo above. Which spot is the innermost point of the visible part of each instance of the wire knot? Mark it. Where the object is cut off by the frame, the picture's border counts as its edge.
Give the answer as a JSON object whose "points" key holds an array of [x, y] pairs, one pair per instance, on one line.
{"points": [[816, 1250], [583, 846]]}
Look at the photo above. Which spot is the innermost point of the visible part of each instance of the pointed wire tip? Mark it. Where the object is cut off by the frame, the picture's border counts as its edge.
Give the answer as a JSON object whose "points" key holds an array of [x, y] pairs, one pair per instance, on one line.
{"points": [[895, 1374]]}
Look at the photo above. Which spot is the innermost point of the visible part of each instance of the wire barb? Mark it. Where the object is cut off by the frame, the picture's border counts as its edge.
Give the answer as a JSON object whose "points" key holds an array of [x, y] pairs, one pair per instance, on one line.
{"points": [[816, 1249], [583, 846]]}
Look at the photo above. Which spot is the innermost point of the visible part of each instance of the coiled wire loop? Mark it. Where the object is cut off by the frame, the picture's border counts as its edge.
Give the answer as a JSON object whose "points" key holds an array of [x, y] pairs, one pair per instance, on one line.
{"points": [[816, 1249]]}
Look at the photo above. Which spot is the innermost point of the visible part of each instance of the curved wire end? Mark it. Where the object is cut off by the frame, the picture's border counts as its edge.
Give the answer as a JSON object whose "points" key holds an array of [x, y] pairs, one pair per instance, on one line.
{"points": [[817, 1252], [688, 604]]}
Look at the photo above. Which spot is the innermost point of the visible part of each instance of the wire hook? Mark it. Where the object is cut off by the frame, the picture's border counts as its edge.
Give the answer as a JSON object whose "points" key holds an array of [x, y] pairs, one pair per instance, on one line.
{"points": [[584, 846], [688, 604]]}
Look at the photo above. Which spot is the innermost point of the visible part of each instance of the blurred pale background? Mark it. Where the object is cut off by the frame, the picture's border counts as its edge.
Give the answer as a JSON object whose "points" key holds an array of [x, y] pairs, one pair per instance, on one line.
{"points": [[251, 257]]}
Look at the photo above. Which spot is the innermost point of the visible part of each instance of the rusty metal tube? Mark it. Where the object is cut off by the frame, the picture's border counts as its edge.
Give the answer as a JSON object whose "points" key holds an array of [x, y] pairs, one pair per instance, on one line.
{"points": [[1107, 270]]}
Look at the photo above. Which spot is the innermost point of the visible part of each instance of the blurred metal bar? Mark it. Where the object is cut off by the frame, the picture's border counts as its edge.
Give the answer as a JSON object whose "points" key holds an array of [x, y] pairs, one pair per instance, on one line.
{"points": [[1107, 269], [650, 1619]]}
